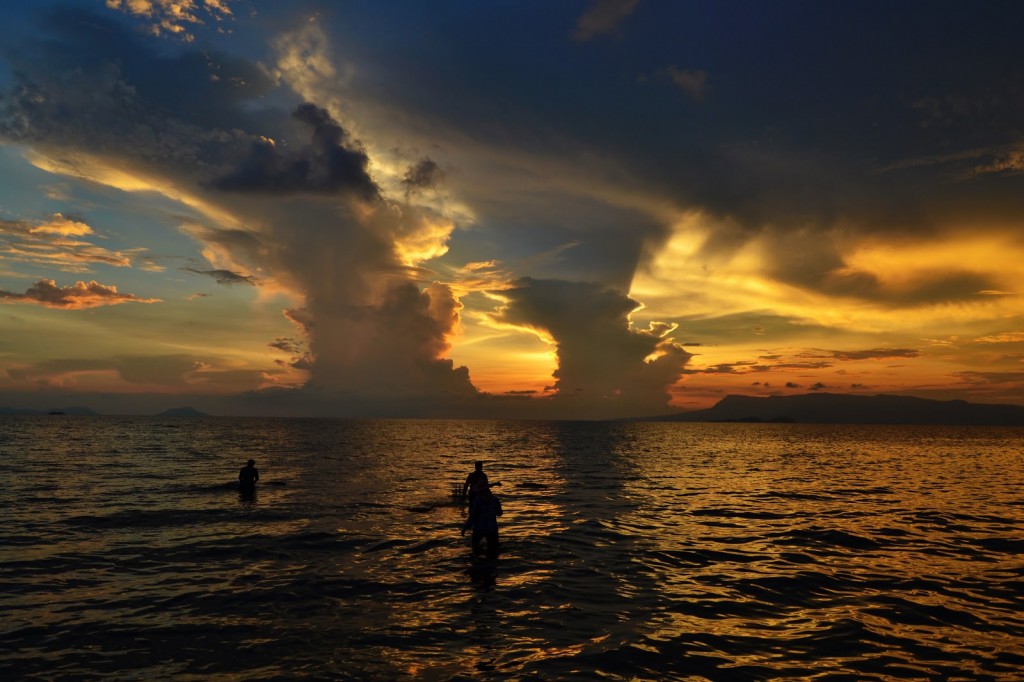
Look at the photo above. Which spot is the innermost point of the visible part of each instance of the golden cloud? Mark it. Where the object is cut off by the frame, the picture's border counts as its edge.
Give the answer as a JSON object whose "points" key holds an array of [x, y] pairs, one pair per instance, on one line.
{"points": [[174, 16], [78, 296], [59, 225], [57, 243]]}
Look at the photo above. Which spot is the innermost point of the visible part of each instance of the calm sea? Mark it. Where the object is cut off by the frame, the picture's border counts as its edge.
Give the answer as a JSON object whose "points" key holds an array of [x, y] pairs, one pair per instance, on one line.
{"points": [[631, 551]]}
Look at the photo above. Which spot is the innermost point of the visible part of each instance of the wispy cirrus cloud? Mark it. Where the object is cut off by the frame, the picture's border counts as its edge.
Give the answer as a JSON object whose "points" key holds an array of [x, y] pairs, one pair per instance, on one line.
{"points": [[1006, 337], [972, 377], [874, 354], [62, 242], [1008, 162]]}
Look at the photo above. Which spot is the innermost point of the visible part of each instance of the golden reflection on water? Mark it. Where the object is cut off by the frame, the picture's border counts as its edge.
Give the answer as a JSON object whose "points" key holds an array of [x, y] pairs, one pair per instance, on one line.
{"points": [[760, 513], [746, 547]]}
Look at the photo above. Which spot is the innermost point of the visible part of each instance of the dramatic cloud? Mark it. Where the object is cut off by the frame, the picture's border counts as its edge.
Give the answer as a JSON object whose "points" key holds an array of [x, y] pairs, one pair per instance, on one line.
{"points": [[392, 348], [328, 164], [389, 190], [75, 297], [306, 213], [605, 366]]}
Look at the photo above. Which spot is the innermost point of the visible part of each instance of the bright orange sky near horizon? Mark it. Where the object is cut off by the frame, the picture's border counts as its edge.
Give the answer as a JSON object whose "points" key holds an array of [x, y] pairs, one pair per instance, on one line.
{"points": [[367, 212]]}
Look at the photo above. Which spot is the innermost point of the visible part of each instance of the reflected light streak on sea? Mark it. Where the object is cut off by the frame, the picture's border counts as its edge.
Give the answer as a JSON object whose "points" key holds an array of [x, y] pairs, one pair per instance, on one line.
{"points": [[630, 551]]}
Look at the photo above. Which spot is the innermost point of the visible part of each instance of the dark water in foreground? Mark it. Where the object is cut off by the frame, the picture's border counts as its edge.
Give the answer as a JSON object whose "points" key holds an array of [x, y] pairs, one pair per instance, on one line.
{"points": [[632, 551]]}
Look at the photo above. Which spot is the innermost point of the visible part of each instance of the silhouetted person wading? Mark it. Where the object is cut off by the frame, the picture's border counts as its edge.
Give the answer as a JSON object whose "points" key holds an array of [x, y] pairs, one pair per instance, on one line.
{"points": [[484, 511], [473, 482], [247, 477]]}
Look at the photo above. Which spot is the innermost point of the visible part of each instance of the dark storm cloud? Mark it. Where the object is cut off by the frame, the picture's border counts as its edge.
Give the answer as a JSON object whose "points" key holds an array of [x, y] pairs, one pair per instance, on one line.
{"points": [[226, 276], [809, 103], [276, 189], [186, 109], [328, 164], [92, 85], [785, 150], [605, 365], [789, 148], [391, 348]]}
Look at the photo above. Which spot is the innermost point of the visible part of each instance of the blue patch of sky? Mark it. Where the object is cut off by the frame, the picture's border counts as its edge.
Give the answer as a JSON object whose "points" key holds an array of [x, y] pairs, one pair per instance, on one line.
{"points": [[121, 221]]}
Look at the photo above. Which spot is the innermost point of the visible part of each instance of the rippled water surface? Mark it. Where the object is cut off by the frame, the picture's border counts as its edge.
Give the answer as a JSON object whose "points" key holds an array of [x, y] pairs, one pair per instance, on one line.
{"points": [[631, 551]]}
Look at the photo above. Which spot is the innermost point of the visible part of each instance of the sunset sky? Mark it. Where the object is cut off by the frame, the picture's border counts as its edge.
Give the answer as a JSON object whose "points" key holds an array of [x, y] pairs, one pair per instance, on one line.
{"points": [[576, 209]]}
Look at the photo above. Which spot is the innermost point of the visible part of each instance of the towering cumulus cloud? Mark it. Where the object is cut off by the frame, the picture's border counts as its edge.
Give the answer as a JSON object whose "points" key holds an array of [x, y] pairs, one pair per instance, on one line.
{"points": [[605, 366], [286, 195], [290, 197]]}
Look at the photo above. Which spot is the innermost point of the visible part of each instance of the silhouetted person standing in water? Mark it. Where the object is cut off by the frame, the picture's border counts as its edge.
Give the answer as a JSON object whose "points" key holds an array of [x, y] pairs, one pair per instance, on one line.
{"points": [[473, 481], [484, 511], [247, 478]]}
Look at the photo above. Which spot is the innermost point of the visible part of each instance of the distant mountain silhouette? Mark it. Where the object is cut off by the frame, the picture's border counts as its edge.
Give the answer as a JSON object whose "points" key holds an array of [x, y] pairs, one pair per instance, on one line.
{"points": [[838, 408], [72, 411], [182, 412]]}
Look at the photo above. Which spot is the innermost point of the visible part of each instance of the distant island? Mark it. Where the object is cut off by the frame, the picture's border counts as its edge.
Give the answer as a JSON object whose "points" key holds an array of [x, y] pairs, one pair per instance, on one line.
{"points": [[182, 412], [838, 408], [87, 412], [57, 412], [807, 408]]}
